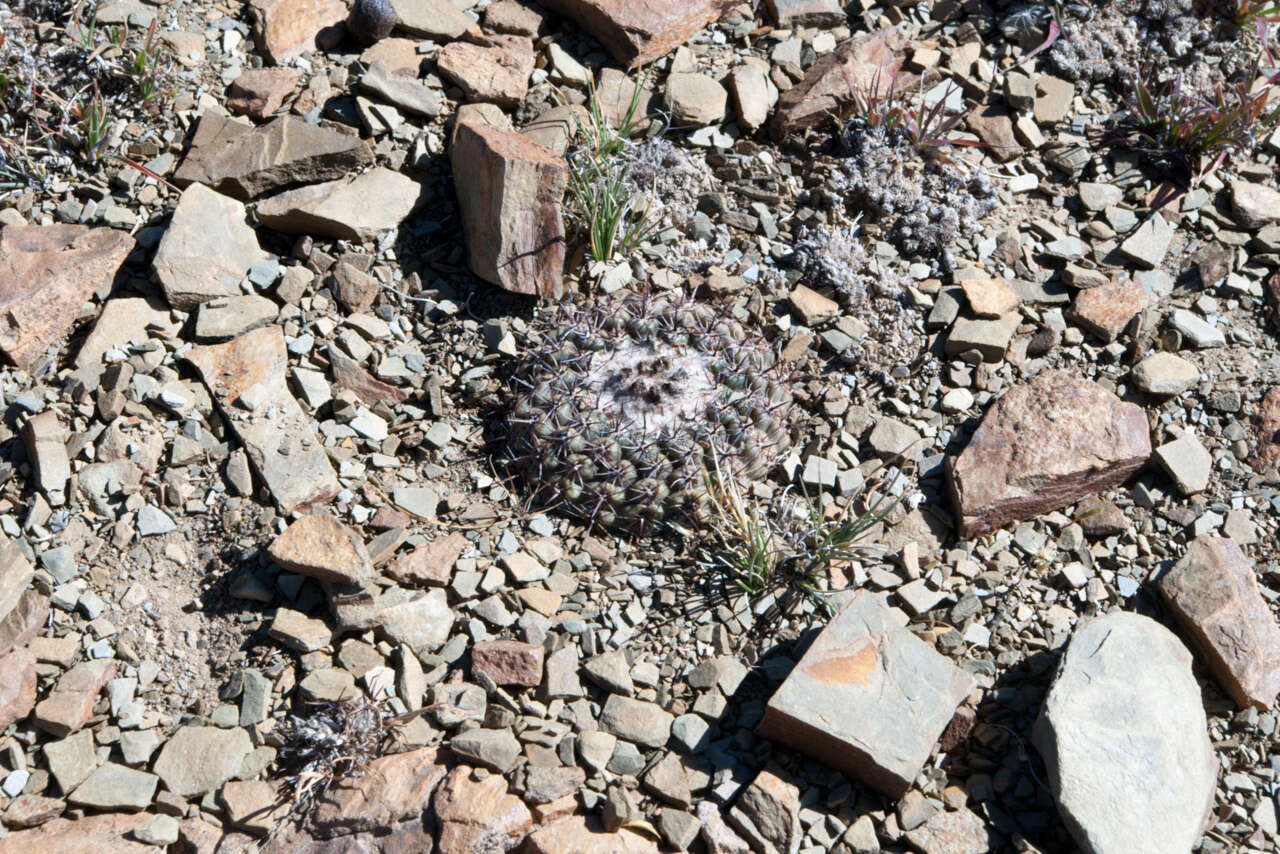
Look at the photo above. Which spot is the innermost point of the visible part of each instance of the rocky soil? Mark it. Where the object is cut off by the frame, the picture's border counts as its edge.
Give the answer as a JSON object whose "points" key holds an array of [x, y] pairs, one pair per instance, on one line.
{"points": [[272, 275]]}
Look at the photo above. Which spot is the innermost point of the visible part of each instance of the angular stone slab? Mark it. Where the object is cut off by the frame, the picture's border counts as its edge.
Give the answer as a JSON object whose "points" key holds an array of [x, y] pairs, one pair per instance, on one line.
{"points": [[70, 704], [206, 250], [510, 190], [357, 208], [199, 759], [47, 273], [320, 546], [868, 698], [866, 62], [246, 376], [287, 28], [245, 162], [637, 33], [1125, 740], [1042, 446], [1214, 592], [393, 789], [92, 834], [123, 319]]}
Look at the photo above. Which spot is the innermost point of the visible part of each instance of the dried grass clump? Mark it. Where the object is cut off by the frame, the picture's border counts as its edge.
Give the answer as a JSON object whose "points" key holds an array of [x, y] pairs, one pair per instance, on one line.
{"points": [[335, 741]]}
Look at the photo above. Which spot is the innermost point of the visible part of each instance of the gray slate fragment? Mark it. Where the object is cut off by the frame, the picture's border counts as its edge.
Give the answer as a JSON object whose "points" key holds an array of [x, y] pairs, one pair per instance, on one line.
{"points": [[868, 698], [1125, 740]]}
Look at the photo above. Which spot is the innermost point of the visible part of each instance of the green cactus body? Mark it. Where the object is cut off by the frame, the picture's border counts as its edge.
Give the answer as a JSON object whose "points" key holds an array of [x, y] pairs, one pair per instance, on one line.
{"points": [[620, 407]]}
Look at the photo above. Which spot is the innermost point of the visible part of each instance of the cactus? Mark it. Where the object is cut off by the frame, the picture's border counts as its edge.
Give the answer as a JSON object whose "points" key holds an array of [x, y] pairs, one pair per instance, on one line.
{"points": [[620, 407]]}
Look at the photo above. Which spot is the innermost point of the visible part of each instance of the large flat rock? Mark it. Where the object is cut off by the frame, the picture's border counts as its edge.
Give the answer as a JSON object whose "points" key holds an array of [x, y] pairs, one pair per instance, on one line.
{"points": [[285, 29], [1125, 741], [47, 273], [246, 377], [1214, 592], [95, 834], [637, 32], [868, 698], [207, 249], [245, 162], [357, 208], [510, 190], [1042, 446]]}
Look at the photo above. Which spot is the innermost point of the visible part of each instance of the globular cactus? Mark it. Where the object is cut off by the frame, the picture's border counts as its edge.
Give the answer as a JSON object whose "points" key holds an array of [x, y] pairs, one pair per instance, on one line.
{"points": [[620, 409]]}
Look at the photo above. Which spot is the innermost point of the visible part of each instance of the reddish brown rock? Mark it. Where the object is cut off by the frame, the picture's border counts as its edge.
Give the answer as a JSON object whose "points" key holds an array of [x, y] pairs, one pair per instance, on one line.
{"points": [[392, 790], [286, 28], [399, 56], [259, 92], [371, 390], [246, 377], [1266, 430], [1099, 518], [354, 289], [508, 662], [477, 814], [869, 62], [319, 546], [989, 296], [1214, 592], [510, 190], [93, 834], [430, 564], [32, 811], [584, 835], [637, 33], [47, 273], [244, 162], [495, 69], [994, 126], [1105, 311], [959, 832], [25, 621], [70, 704], [17, 686], [957, 732], [1042, 446]]}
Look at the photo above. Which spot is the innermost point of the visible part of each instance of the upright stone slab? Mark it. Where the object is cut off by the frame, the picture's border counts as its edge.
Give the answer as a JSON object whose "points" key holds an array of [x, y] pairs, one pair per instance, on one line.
{"points": [[1125, 741], [1042, 446], [637, 33], [1214, 592], [47, 272], [510, 190], [869, 698], [246, 377]]}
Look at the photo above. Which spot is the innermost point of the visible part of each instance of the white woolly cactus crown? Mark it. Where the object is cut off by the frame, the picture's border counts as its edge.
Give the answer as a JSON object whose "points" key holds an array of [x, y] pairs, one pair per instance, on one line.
{"points": [[620, 407]]}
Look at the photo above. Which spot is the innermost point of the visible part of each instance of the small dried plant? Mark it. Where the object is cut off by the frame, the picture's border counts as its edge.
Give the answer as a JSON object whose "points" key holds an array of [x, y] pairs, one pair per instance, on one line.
{"points": [[788, 546], [335, 741], [923, 126], [1195, 134]]}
